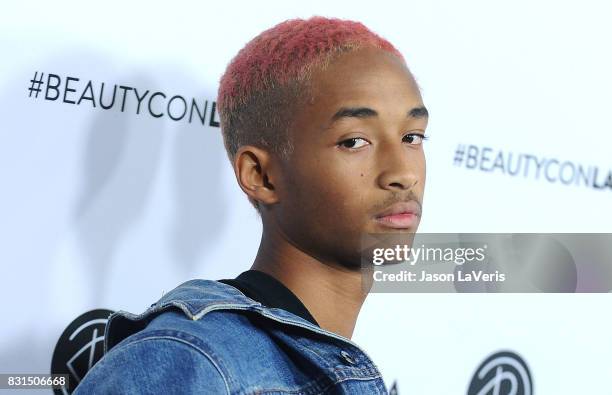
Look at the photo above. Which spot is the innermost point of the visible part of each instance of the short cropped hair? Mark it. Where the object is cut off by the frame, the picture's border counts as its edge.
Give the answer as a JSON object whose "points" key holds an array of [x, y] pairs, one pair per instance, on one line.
{"points": [[269, 79]]}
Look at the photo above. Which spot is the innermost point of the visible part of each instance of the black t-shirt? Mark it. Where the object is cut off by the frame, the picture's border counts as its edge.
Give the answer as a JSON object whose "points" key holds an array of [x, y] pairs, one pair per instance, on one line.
{"points": [[270, 292]]}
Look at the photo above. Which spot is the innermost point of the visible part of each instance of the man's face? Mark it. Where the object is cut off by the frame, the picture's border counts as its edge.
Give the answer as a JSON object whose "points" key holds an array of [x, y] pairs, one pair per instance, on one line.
{"points": [[357, 152]]}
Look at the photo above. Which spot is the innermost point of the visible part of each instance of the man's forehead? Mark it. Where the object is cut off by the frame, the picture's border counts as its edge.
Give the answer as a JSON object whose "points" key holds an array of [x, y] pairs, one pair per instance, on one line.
{"points": [[369, 61], [391, 81], [374, 102], [414, 112], [365, 82], [364, 85]]}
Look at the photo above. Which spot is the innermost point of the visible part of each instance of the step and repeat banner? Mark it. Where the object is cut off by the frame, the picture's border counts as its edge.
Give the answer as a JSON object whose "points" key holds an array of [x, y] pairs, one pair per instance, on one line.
{"points": [[115, 186]]}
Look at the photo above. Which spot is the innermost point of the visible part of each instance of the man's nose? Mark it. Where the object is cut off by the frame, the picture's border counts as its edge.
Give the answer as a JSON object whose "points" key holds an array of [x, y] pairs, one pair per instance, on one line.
{"points": [[398, 167]]}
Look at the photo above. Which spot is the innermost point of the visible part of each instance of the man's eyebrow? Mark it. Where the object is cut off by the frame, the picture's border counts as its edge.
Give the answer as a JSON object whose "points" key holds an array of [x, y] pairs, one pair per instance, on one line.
{"points": [[365, 112], [418, 113]]}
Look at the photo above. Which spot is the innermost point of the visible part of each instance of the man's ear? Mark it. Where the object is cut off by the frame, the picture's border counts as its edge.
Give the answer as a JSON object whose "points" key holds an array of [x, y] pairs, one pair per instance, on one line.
{"points": [[253, 168]]}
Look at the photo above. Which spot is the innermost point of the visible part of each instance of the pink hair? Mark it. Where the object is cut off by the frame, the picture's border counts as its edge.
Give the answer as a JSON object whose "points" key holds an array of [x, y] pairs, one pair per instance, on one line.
{"points": [[283, 52]]}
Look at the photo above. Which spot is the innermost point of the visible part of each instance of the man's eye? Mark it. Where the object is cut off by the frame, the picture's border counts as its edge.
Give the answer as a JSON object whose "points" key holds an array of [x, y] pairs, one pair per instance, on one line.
{"points": [[352, 143], [415, 138]]}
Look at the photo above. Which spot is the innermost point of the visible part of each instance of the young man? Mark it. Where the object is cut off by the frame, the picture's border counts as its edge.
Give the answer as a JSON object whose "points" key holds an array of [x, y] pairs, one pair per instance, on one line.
{"points": [[323, 124]]}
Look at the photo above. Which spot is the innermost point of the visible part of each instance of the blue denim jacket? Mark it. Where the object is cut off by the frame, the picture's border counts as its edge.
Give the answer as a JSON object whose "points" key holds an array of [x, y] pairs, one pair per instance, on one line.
{"points": [[207, 337]]}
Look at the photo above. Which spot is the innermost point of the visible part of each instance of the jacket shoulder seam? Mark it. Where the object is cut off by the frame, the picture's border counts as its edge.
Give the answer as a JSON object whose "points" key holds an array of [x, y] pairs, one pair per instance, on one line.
{"points": [[153, 337]]}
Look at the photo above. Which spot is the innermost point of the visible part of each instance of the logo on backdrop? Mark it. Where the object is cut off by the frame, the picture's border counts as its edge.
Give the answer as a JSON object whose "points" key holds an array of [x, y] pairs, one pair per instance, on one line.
{"points": [[514, 164], [503, 373], [73, 90], [79, 347]]}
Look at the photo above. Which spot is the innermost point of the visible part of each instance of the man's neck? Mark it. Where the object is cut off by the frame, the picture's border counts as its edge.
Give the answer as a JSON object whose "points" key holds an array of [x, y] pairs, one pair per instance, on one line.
{"points": [[332, 294]]}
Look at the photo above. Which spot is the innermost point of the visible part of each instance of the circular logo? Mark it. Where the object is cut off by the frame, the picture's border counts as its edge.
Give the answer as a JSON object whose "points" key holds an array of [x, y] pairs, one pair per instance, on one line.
{"points": [[79, 347], [503, 373]]}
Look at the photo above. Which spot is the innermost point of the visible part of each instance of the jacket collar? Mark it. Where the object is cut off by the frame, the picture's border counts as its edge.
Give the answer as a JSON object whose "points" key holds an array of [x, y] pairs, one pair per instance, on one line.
{"points": [[195, 298]]}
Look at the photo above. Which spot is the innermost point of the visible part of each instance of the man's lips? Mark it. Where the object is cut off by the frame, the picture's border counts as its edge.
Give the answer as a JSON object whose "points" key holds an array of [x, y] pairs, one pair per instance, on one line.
{"points": [[400, 215], [398, 221]]}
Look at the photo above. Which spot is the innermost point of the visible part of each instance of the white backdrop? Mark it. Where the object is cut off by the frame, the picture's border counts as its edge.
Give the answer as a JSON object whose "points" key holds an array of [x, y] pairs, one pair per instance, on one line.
{"points": [[109, 208]]}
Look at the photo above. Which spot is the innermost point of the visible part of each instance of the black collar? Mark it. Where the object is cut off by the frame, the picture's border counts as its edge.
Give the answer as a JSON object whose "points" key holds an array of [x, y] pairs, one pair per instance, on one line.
{"points": [[270, 292]]}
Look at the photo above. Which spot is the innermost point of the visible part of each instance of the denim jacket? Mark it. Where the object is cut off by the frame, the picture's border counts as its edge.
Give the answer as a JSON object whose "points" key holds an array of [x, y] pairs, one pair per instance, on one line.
{"points": [[207, 337]]}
